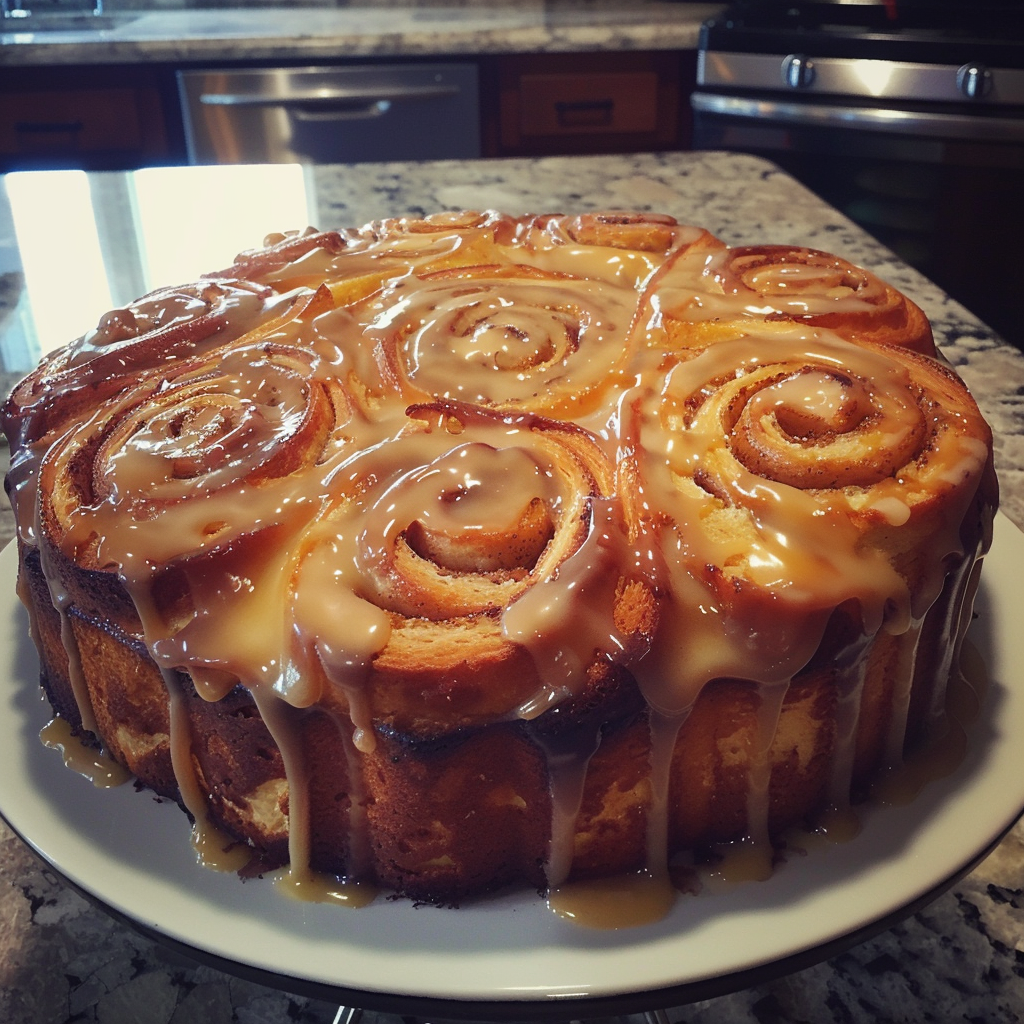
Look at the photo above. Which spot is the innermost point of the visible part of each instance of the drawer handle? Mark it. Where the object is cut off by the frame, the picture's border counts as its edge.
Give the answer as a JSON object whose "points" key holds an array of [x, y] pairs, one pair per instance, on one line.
{"points": [[48, 127], [585, 113]]}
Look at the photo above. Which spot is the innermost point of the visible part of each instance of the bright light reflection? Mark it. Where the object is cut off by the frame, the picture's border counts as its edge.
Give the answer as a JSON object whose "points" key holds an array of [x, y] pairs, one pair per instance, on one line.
{"points": [[193, 220], [874, 74], [60, 253]]}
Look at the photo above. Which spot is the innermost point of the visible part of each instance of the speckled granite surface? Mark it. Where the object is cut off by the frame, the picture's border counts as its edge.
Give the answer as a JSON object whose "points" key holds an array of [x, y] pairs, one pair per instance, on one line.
{"points": [[362, 30], [959, 959]]}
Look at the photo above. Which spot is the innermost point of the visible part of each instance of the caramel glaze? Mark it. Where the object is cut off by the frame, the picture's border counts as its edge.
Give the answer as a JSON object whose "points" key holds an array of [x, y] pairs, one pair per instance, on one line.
{"points": [[587, 482]]}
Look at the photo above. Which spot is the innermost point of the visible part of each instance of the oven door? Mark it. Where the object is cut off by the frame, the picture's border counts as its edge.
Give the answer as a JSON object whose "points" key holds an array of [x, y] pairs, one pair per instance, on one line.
{"points": [[937, 184]]}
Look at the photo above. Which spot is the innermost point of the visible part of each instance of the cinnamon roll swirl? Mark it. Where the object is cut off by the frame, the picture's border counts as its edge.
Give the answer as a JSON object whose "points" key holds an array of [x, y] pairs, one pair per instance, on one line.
{"points": [[819, 506], [701, 301]]}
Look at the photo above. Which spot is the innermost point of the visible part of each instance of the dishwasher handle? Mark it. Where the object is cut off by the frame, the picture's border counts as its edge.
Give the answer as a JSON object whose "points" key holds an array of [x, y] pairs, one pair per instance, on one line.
{"points": [[350, 101]]}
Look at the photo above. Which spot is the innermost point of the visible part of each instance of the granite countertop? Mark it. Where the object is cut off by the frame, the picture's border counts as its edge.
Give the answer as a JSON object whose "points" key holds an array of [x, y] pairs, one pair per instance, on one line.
{"points": [[64, 959], [359, 30]]}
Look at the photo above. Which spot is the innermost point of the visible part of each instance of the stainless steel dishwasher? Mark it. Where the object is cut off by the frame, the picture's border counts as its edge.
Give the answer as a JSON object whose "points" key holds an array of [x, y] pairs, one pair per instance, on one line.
{"points": [[331, 114]]}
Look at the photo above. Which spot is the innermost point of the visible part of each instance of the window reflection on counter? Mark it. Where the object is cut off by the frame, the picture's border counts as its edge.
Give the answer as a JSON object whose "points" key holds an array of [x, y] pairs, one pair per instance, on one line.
{"points": [[194, 220], [61, 260], [89, 243]]}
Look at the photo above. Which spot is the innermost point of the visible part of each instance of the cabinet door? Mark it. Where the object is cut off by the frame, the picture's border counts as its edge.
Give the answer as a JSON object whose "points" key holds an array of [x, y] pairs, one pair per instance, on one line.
{"points": [[589, 103], [93, 121]]}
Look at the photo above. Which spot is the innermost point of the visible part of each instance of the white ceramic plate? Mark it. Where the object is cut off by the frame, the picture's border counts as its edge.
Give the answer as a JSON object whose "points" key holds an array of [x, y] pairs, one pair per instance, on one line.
{"points": [[132, 854]]}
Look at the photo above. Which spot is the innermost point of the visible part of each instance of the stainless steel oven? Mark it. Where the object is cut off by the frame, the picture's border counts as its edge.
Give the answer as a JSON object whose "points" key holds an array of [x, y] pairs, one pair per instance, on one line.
{"points": [[908, 116]]}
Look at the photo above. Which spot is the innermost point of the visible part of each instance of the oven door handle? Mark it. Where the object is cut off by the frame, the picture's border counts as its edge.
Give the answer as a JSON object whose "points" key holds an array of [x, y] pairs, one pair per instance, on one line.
{"points": [[878, 119]]}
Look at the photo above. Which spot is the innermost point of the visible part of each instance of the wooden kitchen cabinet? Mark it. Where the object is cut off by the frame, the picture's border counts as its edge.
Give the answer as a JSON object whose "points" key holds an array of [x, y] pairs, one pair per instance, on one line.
{"points": [[120, 117], [92, 118], [589, 103]]}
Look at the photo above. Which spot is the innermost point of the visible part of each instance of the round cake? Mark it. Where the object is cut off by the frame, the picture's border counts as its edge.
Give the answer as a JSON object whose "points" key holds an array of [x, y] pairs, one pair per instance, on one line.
{"points": [[449, 554]]}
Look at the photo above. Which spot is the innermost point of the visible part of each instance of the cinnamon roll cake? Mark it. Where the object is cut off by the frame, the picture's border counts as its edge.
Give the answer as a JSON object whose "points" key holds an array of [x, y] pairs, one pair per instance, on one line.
{"points": [[448, 554]]}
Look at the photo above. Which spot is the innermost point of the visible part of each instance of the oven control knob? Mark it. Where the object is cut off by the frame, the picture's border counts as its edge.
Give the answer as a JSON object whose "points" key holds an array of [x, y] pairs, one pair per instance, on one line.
{"points": [[974, 81], [798, 71]]}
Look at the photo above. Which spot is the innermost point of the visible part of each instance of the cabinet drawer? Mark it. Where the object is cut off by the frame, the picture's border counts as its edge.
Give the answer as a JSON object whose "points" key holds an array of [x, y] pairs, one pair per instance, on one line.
{"points": [[66, 121], [588, 103], [107, 117]]}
